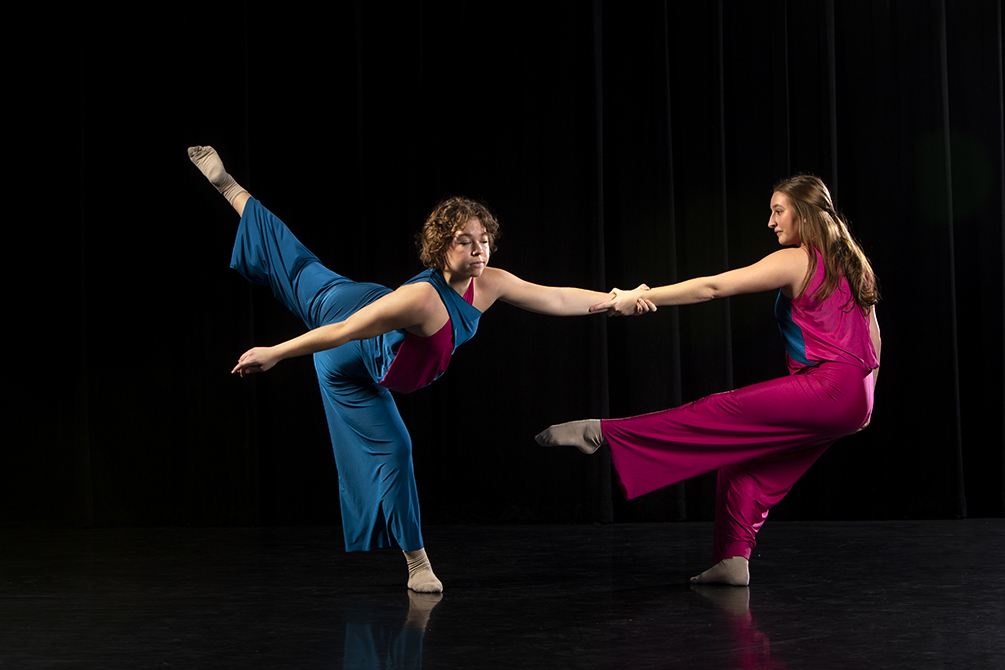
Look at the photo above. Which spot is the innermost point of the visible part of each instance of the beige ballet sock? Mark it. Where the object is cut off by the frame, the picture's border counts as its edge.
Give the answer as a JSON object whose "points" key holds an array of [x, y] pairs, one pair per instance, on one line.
{"points": [[420, 573], [734, 571], [209, 163], [585, 435]]}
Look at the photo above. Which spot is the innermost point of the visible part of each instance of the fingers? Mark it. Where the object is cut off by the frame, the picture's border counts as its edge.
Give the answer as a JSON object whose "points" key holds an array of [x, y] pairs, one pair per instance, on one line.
{"points": [[247, 364], [613, 308], [602, 307], [246, 369]]}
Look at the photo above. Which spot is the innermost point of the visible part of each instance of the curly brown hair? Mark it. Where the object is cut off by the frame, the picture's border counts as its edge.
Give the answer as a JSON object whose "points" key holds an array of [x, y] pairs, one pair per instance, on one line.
{"points": [[822, 228], [444, 221]]}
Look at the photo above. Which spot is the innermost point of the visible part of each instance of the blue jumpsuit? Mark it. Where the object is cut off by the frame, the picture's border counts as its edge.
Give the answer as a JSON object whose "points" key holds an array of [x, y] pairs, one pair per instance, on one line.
{"points": [[373, 451]]}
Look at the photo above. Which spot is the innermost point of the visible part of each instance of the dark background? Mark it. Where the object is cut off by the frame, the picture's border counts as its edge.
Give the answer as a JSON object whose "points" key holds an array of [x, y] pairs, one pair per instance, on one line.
{"points": [[617, 142]]}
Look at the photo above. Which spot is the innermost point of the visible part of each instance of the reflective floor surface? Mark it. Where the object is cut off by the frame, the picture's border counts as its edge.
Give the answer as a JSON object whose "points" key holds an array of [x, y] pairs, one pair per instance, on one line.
{"points": [[822, 595]]}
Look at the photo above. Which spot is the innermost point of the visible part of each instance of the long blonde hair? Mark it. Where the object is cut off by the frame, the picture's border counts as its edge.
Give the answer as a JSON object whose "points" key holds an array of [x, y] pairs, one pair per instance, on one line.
{"points": [[820, 227]]}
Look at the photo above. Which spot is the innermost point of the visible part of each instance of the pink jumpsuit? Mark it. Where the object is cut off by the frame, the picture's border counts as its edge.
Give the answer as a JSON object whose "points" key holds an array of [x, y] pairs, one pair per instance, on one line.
{"points": [[760, 438]]}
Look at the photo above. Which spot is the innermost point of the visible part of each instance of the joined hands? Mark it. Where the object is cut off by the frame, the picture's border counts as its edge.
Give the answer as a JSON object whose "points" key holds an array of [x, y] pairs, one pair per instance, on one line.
{"points": [[620, 303], [626, 303]]}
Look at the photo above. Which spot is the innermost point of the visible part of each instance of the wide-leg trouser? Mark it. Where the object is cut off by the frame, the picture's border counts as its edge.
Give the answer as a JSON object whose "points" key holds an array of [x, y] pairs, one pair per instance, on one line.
{"points": [[373, 451], [761, 439]]}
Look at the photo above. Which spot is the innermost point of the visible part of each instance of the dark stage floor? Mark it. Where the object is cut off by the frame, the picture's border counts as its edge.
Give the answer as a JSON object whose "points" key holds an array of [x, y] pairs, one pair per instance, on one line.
{"points": [[822, 595]]}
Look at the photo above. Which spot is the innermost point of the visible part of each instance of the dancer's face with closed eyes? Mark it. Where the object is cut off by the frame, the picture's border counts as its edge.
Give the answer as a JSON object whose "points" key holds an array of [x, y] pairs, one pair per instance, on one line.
{"points": [[468, 252]]}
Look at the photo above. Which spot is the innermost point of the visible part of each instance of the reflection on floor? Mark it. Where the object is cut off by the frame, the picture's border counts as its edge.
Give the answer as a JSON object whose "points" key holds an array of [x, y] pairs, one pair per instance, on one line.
{"points": [[822, 595]]}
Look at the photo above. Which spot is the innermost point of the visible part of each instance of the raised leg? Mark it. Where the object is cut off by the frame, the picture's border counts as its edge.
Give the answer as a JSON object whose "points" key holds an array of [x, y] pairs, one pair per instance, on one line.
{"points": [[585, 435], [209, 163]]}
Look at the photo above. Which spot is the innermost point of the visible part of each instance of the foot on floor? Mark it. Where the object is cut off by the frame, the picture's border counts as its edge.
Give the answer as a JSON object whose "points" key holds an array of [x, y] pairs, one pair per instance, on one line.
{"points": [[733, 571], [420, 573]]}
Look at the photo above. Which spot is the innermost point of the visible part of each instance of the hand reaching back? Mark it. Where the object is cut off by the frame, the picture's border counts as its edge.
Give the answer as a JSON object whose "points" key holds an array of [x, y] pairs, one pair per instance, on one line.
{"points": [[255, 360]]}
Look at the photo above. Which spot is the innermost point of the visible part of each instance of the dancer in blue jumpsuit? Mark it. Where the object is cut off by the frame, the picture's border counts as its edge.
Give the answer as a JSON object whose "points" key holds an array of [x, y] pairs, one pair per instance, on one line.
{"points": [[367, 339], [372, 448]]}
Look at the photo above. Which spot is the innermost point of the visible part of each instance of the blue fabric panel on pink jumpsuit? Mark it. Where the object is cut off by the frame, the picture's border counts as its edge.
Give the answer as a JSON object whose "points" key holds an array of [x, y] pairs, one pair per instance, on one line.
{"points": [[373, 451]]}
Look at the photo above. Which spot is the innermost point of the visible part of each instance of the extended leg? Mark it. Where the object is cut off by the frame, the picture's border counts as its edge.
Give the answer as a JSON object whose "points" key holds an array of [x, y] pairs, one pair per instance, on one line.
{"points": [[585, 435], [761, 439], [209, 163]]}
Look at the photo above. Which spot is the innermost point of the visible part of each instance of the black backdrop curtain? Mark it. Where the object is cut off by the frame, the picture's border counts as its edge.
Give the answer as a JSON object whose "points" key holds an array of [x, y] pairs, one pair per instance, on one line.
{"points": [[618, 142]]}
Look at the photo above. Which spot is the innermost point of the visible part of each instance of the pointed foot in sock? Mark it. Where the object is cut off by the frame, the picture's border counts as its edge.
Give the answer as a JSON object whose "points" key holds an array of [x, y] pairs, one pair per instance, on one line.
{"points": [[211, 166], [585, 435], [197, 152], [733, 571], [207, 160], [209, 163]]}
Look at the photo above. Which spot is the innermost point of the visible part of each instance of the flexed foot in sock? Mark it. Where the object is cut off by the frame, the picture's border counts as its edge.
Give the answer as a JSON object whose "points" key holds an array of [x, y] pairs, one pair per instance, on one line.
{"points": [[209, 163], [420, 573], [734, 571], [585, 435]]}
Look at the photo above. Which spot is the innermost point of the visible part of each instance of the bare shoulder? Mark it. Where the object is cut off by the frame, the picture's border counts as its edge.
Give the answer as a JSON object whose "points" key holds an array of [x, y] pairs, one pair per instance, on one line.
{"points": [[789, 256], [421, 296], [792, 264], [411, 303], [416, 307], [493, 284], [494, 281], [495, 275], [783, 269]]}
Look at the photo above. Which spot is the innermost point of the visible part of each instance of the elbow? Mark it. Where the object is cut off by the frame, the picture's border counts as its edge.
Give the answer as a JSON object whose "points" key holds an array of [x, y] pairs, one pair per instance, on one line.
{"points": [[711, 292], [711, 288]]}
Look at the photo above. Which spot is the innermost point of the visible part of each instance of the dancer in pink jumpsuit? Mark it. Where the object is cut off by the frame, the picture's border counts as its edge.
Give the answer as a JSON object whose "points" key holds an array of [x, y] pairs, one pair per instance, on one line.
{"points": [[760, 438]]}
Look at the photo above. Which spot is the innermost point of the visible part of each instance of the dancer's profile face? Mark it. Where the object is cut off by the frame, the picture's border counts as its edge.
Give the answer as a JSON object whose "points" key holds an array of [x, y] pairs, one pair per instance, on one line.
{"points": [[783, 221], [468, 253]]}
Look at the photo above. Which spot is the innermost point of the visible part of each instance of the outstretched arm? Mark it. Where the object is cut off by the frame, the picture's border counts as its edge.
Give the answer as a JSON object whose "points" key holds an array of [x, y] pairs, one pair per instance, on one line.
{"points": [[552, 300], [782, 269], [415, 307]]}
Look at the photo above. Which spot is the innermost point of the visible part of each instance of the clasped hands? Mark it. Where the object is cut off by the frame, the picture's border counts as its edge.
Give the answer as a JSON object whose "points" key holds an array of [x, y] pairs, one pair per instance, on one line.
{"points": [[626, 303]]}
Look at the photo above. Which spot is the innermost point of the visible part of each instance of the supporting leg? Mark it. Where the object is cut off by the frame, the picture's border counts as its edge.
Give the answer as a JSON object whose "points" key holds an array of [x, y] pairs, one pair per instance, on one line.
{"points": [[731, 571], [745, 493], [420, 573]]}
